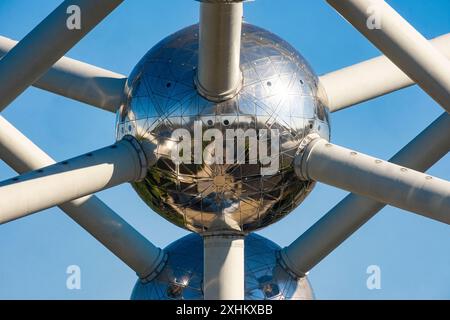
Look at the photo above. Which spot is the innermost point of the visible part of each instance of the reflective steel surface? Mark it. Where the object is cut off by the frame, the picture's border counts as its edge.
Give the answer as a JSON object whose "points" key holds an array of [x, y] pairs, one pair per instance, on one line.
{"points": [[182, 276], [279, 93]]}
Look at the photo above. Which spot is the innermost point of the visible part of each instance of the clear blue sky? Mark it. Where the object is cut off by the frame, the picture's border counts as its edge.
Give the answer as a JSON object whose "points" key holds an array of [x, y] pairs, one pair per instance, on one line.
{"points": [[412, 251]]}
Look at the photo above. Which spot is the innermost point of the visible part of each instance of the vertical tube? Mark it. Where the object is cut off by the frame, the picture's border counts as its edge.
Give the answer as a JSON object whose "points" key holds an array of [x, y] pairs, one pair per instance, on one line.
{"points": [[79, 81], [223, 266], [401, 43], [219, 76], [89, 212]]}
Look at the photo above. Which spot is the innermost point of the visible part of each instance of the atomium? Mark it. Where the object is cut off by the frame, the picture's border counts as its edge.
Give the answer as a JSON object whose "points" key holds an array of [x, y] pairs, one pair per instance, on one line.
{"points": [[222, 129], [182, 276], [279, 92]]}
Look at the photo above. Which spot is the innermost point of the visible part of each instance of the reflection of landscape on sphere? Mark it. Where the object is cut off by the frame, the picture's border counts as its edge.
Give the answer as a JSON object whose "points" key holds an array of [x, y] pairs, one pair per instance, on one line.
{"points": [[182, 277], [279, 93]]}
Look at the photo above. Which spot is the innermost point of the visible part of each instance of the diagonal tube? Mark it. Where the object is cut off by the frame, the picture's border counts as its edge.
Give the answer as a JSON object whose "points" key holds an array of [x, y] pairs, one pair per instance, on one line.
{"points": [[79, 81], [89, 212], [125, 161], [380, 180], [355, 210], [46, 44], [401, 43]]}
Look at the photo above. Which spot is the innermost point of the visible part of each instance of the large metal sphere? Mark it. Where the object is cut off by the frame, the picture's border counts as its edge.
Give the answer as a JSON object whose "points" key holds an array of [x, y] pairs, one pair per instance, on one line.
{"points": [[182, 276], [279, 92]]}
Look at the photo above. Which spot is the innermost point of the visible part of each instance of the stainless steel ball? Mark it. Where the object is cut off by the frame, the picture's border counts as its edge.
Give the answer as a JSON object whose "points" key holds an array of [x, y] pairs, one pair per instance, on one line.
{"points": [[182, 276], [276, 108]]}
